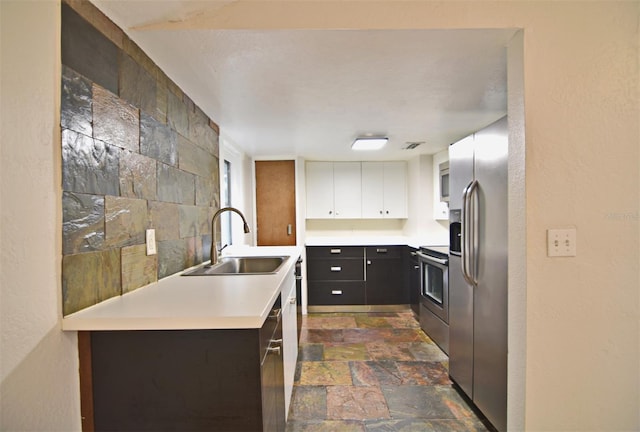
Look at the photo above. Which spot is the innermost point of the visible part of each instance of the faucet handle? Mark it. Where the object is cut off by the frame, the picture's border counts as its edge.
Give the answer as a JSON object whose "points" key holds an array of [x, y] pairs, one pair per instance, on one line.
{"points": [[222, 248]]}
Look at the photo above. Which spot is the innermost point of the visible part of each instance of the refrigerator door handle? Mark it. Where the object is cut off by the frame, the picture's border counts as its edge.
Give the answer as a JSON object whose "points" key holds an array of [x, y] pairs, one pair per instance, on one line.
{"points": [[469, 232]]}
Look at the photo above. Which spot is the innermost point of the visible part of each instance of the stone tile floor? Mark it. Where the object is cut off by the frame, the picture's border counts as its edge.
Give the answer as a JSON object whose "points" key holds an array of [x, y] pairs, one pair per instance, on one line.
{"points": [[360, 372]]}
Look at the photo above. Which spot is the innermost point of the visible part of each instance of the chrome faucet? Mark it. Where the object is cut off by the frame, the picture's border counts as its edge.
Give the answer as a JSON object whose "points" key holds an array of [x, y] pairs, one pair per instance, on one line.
{"points": [[214, 240]]}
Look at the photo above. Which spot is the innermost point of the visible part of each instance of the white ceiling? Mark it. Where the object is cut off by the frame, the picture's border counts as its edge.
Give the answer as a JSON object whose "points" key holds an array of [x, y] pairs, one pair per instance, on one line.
{"points": [[311, 92]]}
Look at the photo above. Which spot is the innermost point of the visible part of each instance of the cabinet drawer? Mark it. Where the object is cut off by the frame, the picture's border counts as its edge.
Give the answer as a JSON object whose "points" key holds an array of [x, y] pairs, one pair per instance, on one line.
{"points": [[335, 252], [336, 293], [384, 251], [351, 269]]}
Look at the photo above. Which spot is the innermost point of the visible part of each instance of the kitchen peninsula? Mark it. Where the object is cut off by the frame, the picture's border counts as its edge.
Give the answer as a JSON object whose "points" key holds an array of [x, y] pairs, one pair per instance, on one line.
{"points": [[192, 353]]}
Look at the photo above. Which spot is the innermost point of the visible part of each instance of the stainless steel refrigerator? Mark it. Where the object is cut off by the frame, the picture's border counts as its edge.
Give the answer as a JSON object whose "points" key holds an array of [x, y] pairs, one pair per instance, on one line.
{"points": [[478, 269]]}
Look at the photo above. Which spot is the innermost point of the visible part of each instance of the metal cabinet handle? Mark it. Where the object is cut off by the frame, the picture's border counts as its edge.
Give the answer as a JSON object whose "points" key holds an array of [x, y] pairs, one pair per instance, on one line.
{"points": [[335, 251], [275, 350], [289, 229], [275, 314], [368, 262], [381, 250], [292, 300], [336, 292], [336, 269]]}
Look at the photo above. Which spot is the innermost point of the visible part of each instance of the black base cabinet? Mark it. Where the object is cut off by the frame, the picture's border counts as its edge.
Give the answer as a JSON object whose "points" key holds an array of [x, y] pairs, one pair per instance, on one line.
{"points": [[188, 380], [413, 279], [385, 276], [356, 275]]}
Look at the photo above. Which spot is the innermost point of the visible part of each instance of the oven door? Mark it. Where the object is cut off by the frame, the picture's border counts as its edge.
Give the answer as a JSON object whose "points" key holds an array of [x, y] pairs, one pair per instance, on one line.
{"points": [[434, 285]]}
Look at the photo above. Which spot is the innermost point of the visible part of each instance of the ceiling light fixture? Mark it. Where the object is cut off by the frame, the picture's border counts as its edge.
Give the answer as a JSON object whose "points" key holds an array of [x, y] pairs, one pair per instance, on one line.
{"points": [[369, 143]]}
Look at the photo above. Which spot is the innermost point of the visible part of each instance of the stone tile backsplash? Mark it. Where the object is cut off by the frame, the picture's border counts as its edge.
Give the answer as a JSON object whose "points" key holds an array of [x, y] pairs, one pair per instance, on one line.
{"points": [[137, 153]]}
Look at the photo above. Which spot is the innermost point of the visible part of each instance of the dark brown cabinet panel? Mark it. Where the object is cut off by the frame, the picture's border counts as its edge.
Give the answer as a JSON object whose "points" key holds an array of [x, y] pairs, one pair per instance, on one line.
{"points": [[412, 279], [336, 293], [334, 252], [188, 380], [356, 275], [335, 269], [385, 276]]}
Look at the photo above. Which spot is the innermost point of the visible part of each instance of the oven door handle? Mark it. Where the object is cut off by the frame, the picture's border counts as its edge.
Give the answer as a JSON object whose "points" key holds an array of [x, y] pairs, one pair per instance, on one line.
{"points": [[427, 258]]}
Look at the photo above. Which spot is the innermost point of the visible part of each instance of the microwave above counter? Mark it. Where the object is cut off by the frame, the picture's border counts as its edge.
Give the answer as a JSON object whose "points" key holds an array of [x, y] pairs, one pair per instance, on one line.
{"points": [[444, 181]]}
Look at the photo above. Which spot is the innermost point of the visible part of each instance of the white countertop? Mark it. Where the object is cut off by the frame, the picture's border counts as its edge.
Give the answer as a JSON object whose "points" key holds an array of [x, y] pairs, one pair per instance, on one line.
{"points": [[193, 302]]}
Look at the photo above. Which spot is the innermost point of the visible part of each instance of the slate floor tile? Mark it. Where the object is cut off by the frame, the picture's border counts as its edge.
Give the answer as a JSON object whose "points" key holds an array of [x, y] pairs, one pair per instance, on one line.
{"points": [[378, 372], [355, 403], [426, 402], [325, 373]]}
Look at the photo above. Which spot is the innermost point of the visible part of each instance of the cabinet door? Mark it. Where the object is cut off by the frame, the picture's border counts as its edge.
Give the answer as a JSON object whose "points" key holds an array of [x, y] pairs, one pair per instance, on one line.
{"points": [[289, 337], [395, 190], [413, 270], [347, 193], [372, 190], [384, 190], [272, 385], [385, 277], [319, 178]]}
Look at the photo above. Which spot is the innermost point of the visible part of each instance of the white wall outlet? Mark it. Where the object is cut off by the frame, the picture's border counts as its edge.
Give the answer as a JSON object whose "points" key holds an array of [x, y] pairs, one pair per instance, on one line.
{"points": [[561, 242], [151, 242]]}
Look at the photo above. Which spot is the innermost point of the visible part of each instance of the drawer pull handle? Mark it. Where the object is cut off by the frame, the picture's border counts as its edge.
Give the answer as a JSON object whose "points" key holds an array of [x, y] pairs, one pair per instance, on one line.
{"points": [[275, 314], [380, 250], [275, 350], [336, 269], [336, 292], [336, 251]]}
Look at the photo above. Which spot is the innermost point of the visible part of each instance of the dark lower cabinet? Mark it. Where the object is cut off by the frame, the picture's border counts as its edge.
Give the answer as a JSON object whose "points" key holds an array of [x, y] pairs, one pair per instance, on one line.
{"points": [[385, 276], [356, 275], [188, 380], [413, 279]]}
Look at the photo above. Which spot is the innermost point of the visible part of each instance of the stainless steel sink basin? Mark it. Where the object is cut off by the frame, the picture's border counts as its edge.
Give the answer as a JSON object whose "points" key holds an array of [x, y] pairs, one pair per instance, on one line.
{"points": [[242, 265]]}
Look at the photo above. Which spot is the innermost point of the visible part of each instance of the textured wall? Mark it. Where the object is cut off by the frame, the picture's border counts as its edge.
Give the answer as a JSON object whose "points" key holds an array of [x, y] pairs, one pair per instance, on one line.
{"points": [[136, 154]]}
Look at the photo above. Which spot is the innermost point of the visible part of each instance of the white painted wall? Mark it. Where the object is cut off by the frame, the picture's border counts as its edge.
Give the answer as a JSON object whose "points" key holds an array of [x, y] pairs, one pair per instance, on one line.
{"points": [[241, 187], [39, 365]]}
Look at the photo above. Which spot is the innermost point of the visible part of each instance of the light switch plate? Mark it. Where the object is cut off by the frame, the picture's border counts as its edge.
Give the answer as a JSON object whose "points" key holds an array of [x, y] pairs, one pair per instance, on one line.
{"points": [[151, 242], [561, 242]]}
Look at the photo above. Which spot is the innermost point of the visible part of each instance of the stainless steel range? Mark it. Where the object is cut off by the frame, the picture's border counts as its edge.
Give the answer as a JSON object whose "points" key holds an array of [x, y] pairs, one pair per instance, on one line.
{"points": [[434, 293]]}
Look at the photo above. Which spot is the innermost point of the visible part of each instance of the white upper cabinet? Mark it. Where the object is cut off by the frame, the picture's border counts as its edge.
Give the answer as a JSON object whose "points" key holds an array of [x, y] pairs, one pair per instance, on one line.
{"points": [[347, 190], [356, 190], [384, 190], [333, 190], [319, 190]]}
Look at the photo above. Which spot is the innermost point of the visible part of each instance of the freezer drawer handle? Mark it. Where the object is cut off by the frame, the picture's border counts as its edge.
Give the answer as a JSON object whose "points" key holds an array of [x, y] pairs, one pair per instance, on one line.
{"points": [[336, 269], [336, 292], [381, 250], [336, 251]]}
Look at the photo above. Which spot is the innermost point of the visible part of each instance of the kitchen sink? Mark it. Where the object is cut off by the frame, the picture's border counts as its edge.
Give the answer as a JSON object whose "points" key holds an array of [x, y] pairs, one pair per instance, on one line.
{"points": [[240, 265]]}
